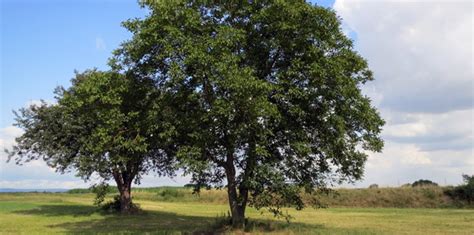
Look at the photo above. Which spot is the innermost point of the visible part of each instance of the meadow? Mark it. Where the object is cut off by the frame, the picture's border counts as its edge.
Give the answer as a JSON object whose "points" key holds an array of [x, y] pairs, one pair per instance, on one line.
{"points": [[177, 211]]}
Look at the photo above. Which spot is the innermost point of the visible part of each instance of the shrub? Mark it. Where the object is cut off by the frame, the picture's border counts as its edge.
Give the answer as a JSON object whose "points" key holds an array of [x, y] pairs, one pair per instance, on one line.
{"points": [[374, 186], [463, 192], [79, 190], [110, 189], [421, 183], [429, 193], [171, 194], [114, 206], [100, 191]]}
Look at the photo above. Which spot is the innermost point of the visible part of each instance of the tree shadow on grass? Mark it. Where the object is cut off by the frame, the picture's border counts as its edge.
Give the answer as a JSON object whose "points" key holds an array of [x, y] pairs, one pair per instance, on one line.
{"points": [[154, 222], [60, 210]]}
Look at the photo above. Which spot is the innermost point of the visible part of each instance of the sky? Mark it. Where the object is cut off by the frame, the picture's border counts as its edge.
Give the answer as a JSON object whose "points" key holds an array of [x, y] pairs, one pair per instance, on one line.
{"points": [[421, 53]]}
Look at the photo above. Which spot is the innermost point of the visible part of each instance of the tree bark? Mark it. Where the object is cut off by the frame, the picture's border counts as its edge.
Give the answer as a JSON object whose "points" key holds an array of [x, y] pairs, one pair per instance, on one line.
{"points": [[125, 199], [124, 185], [237, 205], [237, 202], [238, 216]]}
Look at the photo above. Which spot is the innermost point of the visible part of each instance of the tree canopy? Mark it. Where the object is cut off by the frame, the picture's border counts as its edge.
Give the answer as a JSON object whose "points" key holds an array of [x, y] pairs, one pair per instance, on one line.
{"points": [[105, 124], [265, 95]]}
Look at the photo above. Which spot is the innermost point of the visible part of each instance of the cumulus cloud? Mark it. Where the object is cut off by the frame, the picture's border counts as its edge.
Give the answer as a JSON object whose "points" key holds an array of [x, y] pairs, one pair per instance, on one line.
{"points": [[450, 131], [421, 53], [405, 163], [8, 135], [10, 173]]}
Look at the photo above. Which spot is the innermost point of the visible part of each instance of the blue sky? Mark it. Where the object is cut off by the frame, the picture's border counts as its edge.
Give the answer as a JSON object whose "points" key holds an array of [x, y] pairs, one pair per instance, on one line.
{"points": [[423, 84], [43, 42]]}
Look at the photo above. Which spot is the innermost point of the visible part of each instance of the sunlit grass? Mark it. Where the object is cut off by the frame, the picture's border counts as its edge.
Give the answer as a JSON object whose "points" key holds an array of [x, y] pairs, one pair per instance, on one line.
{"points": [[45, 213]]}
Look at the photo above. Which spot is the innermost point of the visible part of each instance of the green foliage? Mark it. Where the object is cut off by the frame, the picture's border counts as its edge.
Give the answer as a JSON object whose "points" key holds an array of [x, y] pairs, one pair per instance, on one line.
{"points": [[110, 189], [100, 191], [171, 193], [106, 124], [406, 197], [463, 192], [103, 122], [422, 183], [265, 95], [430, 194]]}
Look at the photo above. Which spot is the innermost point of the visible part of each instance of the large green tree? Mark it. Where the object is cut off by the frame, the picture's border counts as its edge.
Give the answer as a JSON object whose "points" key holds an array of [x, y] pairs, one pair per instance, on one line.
{"points": [[106, 124], [266, 95]]}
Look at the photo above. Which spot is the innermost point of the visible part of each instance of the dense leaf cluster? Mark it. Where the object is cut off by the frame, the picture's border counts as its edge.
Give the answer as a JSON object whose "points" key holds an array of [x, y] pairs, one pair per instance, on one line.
{"points": [[463, 192]]}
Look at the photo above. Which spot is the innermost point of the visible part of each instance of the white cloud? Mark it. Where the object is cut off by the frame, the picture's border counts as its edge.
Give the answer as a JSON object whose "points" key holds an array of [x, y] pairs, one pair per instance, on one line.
{"points": [[8, 134], [432, 131], [415, 157], [421, 53], [406, 163], [33, 169], [151, 180], [406, 129]]}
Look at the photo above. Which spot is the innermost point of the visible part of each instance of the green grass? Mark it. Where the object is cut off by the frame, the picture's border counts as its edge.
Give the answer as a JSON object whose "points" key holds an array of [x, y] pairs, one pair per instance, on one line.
{"points": [[47, 213]]}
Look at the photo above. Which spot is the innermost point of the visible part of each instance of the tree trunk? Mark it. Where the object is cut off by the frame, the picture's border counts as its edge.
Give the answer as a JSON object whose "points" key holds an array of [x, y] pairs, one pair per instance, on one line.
{"points": [[124, 185], [237, 207], [125, 199], [238, 216], [237, 202]]}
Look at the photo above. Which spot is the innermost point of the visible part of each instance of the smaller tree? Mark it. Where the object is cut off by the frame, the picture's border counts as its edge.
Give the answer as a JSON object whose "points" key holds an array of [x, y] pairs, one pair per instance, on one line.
{"points": [[374, 186], [421, 183], [104, 124]]}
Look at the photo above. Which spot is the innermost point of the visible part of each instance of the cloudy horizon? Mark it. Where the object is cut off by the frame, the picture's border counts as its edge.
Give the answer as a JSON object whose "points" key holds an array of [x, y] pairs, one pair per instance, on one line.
{"points": [[421, 53]]}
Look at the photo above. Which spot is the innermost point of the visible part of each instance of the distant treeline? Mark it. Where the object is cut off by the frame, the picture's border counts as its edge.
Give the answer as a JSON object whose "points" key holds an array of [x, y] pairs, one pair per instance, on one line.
{"points": [[428, 196]]}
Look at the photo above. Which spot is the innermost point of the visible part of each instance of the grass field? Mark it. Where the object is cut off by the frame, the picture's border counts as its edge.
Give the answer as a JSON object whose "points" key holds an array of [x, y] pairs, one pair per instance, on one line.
{"points": [[46, 213]]}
